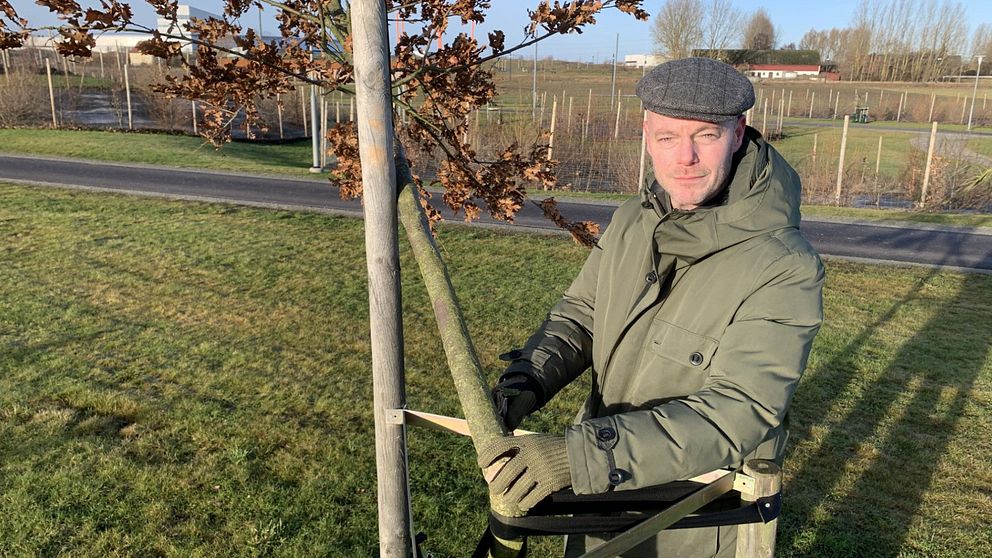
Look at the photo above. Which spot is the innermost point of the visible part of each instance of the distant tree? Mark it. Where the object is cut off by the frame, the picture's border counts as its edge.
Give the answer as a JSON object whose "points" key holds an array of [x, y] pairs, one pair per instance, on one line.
{"points": [[722, 25], [686, 25], [981, 42], [678, 27], [759, 32]]}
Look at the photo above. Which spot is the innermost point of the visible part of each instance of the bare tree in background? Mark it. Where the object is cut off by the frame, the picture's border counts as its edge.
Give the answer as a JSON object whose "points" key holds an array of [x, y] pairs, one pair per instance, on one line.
{"points": [[678, 27], [723, 25], [684, 25], [981, 41], [759, 32], [828, 43]]}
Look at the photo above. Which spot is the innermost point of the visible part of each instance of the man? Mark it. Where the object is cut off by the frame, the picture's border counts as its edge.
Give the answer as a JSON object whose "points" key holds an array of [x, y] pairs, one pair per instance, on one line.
{"points": [[696, 313]]}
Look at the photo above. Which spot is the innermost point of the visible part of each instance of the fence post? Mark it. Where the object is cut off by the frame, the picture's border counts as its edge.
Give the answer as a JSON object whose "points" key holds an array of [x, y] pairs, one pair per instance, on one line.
{"points": [[616, 126], [840, 163], [926, 172], [51, 92], [585, 131], [303, 109], [568, 124], [764, 119], [757, 540], [551, 137], [644, 145], [811, 99], [127, 91]]}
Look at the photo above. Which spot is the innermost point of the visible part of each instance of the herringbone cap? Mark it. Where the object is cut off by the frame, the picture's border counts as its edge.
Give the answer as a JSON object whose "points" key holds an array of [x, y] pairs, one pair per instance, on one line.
{"points": [[696, 89]]}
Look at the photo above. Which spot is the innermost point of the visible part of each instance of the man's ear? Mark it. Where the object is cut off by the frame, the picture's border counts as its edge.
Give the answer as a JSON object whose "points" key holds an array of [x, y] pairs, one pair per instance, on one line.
{"points": [[739, 131]]}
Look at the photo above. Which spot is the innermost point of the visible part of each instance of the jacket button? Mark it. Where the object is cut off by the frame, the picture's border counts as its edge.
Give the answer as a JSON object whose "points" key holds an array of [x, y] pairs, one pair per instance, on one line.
{"points": [[617, 476], [696, 358], [651, 277], [646, 204], [606, 434]]}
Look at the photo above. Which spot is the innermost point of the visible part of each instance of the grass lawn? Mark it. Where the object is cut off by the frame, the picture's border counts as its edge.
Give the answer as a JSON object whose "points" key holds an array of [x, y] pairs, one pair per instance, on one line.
{"points": [[184, 379], [294, 159]]}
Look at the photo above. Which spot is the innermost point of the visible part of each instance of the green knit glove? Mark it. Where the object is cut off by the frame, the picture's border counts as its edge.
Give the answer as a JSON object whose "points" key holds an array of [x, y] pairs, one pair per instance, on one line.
{"points": [[537, 467]]}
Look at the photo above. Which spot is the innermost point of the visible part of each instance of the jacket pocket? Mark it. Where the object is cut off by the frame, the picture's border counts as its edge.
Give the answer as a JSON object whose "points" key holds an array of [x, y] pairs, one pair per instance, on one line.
{"points": [[682, 347]]}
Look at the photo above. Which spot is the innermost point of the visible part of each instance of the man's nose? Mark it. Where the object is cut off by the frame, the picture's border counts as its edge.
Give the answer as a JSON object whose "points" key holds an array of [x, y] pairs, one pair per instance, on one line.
{"points": [[686, 154]]}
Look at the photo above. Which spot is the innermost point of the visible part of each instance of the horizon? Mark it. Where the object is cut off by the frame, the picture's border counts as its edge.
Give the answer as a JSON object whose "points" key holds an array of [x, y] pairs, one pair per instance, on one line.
{"points": [[614, 32]]}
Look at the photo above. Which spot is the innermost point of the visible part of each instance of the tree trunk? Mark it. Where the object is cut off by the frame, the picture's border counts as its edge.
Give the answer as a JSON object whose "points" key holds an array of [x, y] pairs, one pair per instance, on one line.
{"points": [[375, 133]]}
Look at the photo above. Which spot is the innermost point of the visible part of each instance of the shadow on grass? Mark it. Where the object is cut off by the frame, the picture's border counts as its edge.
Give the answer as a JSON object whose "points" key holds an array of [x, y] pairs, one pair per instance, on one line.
{"points": [[897, 430]]}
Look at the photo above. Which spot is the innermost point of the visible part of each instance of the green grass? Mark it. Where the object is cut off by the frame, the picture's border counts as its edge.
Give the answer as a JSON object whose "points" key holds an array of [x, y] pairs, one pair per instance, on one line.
{"points": [[293, 158], [183, 379]]}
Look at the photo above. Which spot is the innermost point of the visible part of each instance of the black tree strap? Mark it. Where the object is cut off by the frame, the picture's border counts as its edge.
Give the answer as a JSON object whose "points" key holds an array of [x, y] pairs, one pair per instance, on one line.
{"points": [[565, 513]]}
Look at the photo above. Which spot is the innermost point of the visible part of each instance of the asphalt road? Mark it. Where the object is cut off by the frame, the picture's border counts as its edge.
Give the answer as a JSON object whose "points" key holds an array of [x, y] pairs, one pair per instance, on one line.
{"points": [[916, 244]]}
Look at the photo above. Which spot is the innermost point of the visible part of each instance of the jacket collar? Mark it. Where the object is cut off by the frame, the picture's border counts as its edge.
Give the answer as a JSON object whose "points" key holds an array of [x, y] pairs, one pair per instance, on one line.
{"points": [[763, 195]]}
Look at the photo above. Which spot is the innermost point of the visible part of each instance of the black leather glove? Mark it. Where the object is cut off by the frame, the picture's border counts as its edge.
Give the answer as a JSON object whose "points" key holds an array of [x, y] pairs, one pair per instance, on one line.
{"points": [[537, 467], [516, 396]]}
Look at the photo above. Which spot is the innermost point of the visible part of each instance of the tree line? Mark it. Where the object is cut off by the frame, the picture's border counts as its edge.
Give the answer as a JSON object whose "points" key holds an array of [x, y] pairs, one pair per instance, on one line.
{"points": [[887, 40]]}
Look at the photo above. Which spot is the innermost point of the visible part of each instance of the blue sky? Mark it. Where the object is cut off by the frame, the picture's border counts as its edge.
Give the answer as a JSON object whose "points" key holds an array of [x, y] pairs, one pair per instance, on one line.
{"points": [[792, 19]]}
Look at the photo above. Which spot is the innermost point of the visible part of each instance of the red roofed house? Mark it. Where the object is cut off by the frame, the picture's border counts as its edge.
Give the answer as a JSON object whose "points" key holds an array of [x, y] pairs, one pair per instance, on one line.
{"points": [[784, 71]]}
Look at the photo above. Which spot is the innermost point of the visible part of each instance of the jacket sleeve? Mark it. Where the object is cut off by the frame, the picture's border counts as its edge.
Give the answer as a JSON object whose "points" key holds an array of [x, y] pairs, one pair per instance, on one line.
{"points": [[561, 349], [753, 375]]}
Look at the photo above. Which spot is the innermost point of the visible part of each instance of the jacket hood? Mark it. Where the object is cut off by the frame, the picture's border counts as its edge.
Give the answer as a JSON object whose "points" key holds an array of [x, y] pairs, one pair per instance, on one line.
{"points": [[763, 195]]}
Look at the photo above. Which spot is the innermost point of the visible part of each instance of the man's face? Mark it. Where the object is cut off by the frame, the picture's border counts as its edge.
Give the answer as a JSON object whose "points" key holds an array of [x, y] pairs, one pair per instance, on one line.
{"points": [[691, 158]]}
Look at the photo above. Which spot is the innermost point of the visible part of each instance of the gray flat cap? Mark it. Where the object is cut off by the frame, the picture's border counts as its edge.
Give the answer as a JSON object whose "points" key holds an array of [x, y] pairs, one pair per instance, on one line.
{"points": [[696, 89]]}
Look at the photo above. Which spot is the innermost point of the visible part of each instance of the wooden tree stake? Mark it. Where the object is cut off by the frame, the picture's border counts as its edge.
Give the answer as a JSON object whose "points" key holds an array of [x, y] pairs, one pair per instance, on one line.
{"points": [[375, 138], [757, 540]]}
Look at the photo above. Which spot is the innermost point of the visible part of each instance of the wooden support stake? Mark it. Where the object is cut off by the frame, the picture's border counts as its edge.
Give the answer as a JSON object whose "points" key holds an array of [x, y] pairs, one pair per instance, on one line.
{"points": [[815, 138], [840, 161], [788, 110], [585, 131], [195, 132], [127, 92], [902, 100], [644, 145], [926, 172], [551, 137], [279, 114], [811, 99], [51, 92], [375, 134], [757, 540], [764, 119], [568, 121], [933, 99], [303, 109], [616, 127]]}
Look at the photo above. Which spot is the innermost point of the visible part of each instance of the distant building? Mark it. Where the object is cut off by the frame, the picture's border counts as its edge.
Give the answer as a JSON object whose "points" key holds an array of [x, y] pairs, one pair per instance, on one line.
{"points": [[643, 60], [783, 71]]}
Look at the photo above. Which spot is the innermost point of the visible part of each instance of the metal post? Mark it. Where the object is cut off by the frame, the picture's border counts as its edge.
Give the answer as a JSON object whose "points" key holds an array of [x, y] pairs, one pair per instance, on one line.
{"points": [[974, 93], [613, 86]]}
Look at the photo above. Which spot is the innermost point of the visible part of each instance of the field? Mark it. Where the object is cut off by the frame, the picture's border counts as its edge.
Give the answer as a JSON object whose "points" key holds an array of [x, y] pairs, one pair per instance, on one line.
{"points": [[182, 379]]}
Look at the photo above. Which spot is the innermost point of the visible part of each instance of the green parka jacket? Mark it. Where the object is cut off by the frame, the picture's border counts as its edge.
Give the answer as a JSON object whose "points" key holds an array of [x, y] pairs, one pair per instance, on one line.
{"points": [[697, 326]]}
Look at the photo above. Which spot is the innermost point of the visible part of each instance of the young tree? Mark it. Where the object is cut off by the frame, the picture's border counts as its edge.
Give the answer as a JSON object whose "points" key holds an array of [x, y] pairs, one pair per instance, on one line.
{"points": [[759, 32], [439, 87]]}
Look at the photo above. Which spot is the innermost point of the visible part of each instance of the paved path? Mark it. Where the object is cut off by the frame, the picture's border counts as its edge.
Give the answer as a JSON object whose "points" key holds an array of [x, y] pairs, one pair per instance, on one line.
{"points": [[969, 250]]}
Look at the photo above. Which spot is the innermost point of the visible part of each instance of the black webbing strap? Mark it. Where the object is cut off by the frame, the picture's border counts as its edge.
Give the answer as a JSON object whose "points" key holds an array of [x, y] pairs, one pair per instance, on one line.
{"points": [[565, 513]]}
